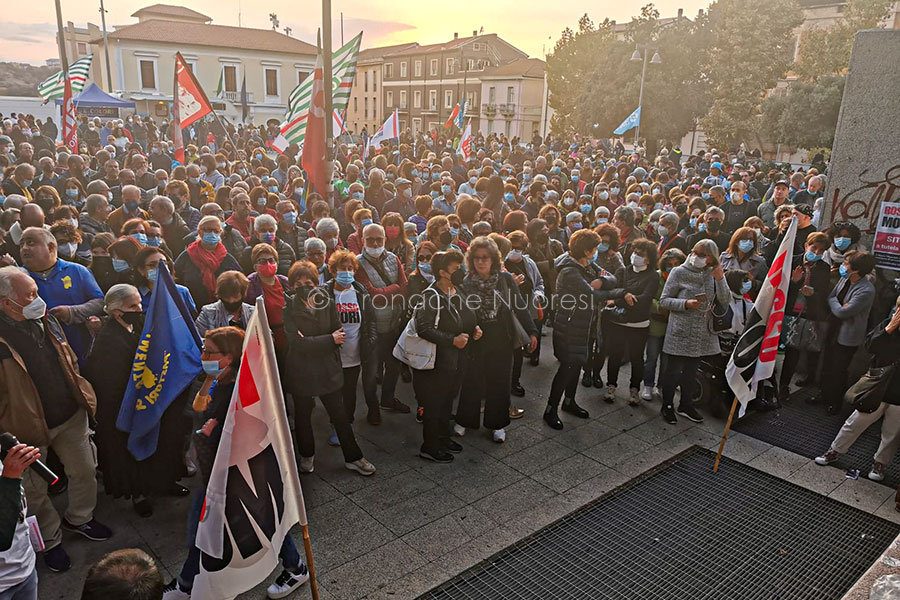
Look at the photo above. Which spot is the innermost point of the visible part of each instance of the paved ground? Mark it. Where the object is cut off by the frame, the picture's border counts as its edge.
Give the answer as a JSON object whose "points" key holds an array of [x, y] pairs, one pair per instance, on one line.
{"points": [[415, 524]]}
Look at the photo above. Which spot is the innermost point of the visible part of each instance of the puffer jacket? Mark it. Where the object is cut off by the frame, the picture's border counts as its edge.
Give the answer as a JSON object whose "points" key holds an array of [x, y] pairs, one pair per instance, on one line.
{"points": [[689, 332], [576, 303]]}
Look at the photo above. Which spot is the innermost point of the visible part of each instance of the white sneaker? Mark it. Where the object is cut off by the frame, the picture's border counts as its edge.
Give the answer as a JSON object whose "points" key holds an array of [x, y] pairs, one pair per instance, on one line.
{"points": [[647, 393], [499, 435], [288, 581], [459, 430], [361, 466], [174, 592], [306, 464]]}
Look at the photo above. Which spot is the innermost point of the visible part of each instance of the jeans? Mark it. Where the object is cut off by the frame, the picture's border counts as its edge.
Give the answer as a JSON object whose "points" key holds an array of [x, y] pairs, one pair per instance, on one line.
{"points": [[618, 339], [27, 590], [654, 355], [565, 380], [680, 372], [303, 433], [386, 343]]}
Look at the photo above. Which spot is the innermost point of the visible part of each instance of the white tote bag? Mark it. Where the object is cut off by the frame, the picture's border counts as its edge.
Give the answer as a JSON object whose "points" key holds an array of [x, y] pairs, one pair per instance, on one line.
{"points": [[413, 350]]}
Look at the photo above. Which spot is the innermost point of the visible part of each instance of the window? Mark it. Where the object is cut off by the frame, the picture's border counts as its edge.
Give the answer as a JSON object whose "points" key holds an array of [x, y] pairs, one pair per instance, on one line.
{"points": [[433, 67], [271, 82], [492, 95], [417, 99], [301, 75], [192, 65], [490, 127], [388, 70], [508, 127], [82, 49], [402, 124], [147, 68], [366, 78], [230, 78], [417, 125], [374, 81], [356, 105], [366, 105], [375, 108], [471, 99], [510, 95], [450, 63], [403, 70], [432, 99], [402, 98], [476, 47], [418, 68], [390, 99], [448, 98]]}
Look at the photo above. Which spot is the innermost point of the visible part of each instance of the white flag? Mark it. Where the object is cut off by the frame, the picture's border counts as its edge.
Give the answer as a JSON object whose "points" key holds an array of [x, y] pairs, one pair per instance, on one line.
{"points": [[253, 497], [753, 359], [465, 143], [389, 131]]}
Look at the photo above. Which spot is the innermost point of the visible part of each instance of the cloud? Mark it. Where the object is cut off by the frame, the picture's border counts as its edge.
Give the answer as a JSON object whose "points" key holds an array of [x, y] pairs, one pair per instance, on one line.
{"points": [[26, 33]]}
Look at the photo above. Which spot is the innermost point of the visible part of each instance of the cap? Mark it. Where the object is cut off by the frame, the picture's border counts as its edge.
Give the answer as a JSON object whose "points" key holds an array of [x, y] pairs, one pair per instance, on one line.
{"points": [[5, 139], [716, 165], [402, 181], [783, 182], [805, 209]]}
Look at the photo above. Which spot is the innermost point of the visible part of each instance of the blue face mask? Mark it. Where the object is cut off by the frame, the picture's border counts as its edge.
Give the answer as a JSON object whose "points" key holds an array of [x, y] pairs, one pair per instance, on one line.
{"points": [[454, 231], [268, 238], [425, 268], [812, 256], [141, 238], [194, 179], [415, 173], [152, 275], [357, 195], [509, 197], [574, 177], [526, 177], [575, 225], [842, 243], [746, 287], [72, 193], [446, 190], [211, 239], [211, 368], [844, 272], [153, 241], [27, 183], [602, 248], [120, 265], [131, 206], [435, 176], [586, 208], [702, 227], [593, 258], [273, 189], [693, 222], [345, 278], [365, 222], [435, 194], [602, 220], [745, 245], [705, 195], [289, 218]]}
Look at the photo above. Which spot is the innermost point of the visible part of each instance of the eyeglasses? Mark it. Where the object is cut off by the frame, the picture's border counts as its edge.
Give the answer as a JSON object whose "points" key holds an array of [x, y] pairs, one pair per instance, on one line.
{"points": [[263, 261], [481, 258], [207, 352], [425, 258]]}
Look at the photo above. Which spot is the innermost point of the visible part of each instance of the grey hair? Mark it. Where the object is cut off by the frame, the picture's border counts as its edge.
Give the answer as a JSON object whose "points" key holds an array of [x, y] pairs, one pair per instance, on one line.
{"points": [[669, 217], [209, 219], [117, 295], [627, 214], [165, 201], [326, 226], [373, 227], [6, 277], [710, 248], [314, 243], [266, 219], [715, 211], [44, 234]]}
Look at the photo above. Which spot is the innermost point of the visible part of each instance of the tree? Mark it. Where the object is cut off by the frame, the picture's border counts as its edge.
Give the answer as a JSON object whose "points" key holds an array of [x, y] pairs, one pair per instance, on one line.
{"points": [[751, 50], [807, 116]]}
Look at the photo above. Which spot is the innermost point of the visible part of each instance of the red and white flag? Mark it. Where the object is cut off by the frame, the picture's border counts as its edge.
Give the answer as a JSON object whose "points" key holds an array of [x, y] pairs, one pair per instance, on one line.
{"points": [[69, 121], [313, 160], [389, 131], [189, 103], [465, 143], [753, 359], [253, 497]]}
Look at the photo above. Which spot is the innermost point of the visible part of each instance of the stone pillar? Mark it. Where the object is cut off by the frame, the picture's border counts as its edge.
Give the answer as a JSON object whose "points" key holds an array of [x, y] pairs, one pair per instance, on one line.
{"points": [[865, 161]]}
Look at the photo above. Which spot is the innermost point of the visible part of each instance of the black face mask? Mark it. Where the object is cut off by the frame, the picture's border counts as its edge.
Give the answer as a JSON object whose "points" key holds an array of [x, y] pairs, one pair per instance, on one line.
{"points": [[101, 263], [456, 277], [446, 238], [135, 319], [681, 209], [713, 226], [303, 292], [542, 238], [232, 306]]}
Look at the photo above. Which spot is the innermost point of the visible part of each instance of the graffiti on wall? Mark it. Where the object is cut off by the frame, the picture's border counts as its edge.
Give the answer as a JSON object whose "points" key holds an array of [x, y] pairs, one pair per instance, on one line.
{"points": [[860, 205]]}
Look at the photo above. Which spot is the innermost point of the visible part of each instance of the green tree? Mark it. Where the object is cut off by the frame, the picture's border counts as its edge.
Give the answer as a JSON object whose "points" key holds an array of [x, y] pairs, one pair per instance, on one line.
{"points": [[807, 116], [750, 51]]}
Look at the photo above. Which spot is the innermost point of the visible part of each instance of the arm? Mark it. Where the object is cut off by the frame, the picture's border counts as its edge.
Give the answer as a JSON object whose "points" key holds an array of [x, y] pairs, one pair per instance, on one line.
{"points": [[723, 294], [93, 306], [425, 314], [10, 496], [537, 279], [856, 304], [647, 294], [520, 307], [204, 320], [669, 299]]}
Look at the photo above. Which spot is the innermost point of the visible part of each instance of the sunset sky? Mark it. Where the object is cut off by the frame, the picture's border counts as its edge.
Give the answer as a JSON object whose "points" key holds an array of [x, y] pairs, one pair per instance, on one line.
{"points": [[27, 34]]}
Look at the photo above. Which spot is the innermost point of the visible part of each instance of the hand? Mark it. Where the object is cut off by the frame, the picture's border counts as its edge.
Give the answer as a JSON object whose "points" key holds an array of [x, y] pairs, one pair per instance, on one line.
{"points": [[797, 274], [718, 273], [94, 324], [807, 290], [208, 427], [597, 284], [782, 227], [692, 304], [20, 457], [520, 279], [476, 335], [630, 299], [63, 313], [339, 336], [532, 346], [7, 261], [461, 340], [894, 323]]}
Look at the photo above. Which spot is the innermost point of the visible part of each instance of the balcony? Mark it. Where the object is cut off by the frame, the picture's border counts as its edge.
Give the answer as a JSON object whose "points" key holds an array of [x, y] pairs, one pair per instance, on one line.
{"points": [[489, 109], [432, 109], [236, 96], [507, 110]]}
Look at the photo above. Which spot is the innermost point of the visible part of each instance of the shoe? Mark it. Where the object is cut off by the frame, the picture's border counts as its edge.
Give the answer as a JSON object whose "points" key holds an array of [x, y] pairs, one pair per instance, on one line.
{"points": [[829, 457], [173, 591], [288, 581], [499, 435], [668, 414], [877, 472], [395, 406], [373, 416], [690, 413], [177, 490], [586, 379], [361, 466], [420, 414], [515, 412], [142, 507], [535, 360], [405, 373], [517, 390], [441, 456], [453, 446], [598, 381], [459, 430], [570, 406], [333, 438], [551, 417], [647, 393], [633, 397], [306, 464], [57, 560], [610, 396], [92, 530]]}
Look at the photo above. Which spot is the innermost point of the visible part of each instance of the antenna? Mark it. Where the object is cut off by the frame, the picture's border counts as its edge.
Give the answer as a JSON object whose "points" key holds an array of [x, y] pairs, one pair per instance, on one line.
{"points": [[287, 31], [239, 13], [274, 18]]}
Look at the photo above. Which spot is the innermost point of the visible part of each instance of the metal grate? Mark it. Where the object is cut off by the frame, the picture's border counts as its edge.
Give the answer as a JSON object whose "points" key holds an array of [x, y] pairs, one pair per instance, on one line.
{"points": [[684, 532], [808, 430]]}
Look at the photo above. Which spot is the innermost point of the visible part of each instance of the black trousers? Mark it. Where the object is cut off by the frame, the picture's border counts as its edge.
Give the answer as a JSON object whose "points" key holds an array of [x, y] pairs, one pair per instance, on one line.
{"points": [[565, 380], [617, 339], [438, 389], [834, 375], [303, 433], [487, 376], [680, 372], [351, 377], [386, 343], [789, 366]]}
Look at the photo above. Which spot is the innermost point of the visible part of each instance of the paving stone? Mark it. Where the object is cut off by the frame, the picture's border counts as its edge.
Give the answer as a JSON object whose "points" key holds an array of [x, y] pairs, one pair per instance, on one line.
{"points": [[568, 473], [340, 531], [472, 475], [821, 479], [779, 462], [449, 532], [585, 436], [863, 494], [740, 447], [616, 448], [537, 457], [373, 570], [511, 502]]}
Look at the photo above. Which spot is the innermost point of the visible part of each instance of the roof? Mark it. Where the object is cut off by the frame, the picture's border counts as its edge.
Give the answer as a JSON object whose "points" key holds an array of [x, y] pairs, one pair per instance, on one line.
{"points": [[451, 45], [525, 67], [172, 11], [204, 34], [94, 96], [380, 52]]}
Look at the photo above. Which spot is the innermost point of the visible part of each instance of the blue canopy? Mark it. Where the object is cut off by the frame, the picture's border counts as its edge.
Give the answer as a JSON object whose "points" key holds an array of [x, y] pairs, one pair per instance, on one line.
{"points": [[93, 96]]}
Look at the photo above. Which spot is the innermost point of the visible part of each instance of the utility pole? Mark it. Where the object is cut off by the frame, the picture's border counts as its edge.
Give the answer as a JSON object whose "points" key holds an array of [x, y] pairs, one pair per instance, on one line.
{"points": [[109, 87], [329, 90], [64, 62], [655, 60], [342, 29]]}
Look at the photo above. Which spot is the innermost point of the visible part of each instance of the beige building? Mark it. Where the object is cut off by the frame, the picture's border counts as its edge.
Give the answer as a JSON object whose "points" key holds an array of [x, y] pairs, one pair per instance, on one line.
{"points": [[365, 108], [143, 58], [78, 45], [513, 99]]}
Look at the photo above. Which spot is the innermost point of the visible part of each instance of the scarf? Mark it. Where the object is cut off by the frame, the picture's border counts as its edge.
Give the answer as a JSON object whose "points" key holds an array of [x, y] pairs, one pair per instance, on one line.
{"points": [[273, 296], [208, 261], [486, 290], [832, 256]]}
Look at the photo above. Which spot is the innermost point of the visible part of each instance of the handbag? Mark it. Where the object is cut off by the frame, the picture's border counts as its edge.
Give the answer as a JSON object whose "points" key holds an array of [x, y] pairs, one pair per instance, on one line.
{"points": [[868, 392], [413, 350], [721, 317], [802, 334], [520, 336]]}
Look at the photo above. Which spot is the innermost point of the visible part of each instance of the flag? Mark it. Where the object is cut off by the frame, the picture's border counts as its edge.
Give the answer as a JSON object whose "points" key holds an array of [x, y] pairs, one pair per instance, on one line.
{"points": [[220, 87], [633, 120], [389, 131], [339, 126], [465, 143], [166, 361], [457, 117], [313, 160], [253, 497], [54, 86], [69, 121], [189, 104], [753, 359], [245, 106], [343, 74]]}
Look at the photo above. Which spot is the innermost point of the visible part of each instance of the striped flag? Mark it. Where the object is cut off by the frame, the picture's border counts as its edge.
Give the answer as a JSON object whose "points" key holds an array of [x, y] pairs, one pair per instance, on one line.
{"points": [[343, 72], [457, 117], [54, 86], [69, 122]]}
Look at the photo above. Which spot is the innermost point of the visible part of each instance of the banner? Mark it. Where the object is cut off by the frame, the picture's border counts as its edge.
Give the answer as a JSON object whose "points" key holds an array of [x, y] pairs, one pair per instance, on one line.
{"points": [[465, 143], [54, 86], [630, 122], [886, 245], [313, 160], [189, 104]]}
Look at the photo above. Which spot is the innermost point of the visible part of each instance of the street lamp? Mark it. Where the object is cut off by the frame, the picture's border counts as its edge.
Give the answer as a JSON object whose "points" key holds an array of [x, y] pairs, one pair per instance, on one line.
{"points": [[656, 60]]}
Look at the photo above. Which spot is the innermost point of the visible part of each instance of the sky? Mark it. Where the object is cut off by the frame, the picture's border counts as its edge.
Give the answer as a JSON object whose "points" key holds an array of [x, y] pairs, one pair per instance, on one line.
{"points": [[533, 26]]}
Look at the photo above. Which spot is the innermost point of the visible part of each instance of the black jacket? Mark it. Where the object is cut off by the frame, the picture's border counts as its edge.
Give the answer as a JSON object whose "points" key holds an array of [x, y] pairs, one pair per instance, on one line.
{"points": [[643, 285], [313, 362], [576, 303], [885, 349], [816, 307], [455, 318]]}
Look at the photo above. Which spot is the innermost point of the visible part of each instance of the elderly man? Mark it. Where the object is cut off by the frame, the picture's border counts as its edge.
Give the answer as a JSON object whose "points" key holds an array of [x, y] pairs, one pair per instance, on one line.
{"points": [[48, 174], [240, 217], [144, 177], [130, 209], [31, 215], [812, 192], [24, 153], [96, 212], [180, 194], [315, 253], [174, 230], [69, 289], [403, 203], [20, 182], [265, 229], [290, 230], [75, 168], [328, 230], [201, 191], [45, 402]]}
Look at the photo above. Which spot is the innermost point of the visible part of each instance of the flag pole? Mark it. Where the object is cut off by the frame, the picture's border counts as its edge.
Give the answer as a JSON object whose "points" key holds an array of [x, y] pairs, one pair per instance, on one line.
{"points": [[725, 434], [313, 586]]}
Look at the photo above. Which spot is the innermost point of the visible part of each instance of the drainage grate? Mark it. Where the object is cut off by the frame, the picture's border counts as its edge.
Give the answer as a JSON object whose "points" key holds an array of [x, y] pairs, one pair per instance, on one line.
{"points": [[808, 430], [682, 532]]}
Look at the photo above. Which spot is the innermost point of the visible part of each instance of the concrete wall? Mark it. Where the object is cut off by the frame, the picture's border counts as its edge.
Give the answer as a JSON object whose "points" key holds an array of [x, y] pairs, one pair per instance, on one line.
{"points": [[865, 162]]}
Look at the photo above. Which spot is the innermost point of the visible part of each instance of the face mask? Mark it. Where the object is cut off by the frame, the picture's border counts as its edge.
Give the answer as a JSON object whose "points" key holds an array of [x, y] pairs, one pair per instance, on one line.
{"points": [[454, 231], [26, 183], [445, 238], [842, 243], [472, 180], [574, 177], [155, 150], [658, 206], [194, 179], [568, 201], [374, 252], [425, 268], [514, 255], [585, 208], [135, 319], [434, 195], [153, 275], [662, 231], [435, 176], [407, 193], [211, 239], [273, 189], [638, 262], [705, 195], [220, 165], [702, 227], [120, 265], [604, 195], [844, 272], [211, 368], [737, 197], [693, 222], [602, 220], [131, 206], [415, 173], [602, 248], [289, 218], [526, 177], [456, 277], [654, 191], [575, 225], [267, 269], [446, 190], [698, 262], [632, 204], [140, 237], [746, 286], [298, 191], [593, 257], [35, 309], [267, 237], [614, 191], [713, 226], [745, 245], [68, 249], [232, 306], [345, 278], [72, 193], [109, 196]]}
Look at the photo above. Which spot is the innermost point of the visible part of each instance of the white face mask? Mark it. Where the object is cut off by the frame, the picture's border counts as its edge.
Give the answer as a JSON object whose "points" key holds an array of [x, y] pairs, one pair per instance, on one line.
{"points": [[36, 309], [638, 262], [375, 252], [68, 249], [698, 262]]}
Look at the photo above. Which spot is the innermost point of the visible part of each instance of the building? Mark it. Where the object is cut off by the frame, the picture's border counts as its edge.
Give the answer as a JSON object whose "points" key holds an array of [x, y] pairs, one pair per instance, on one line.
{"points": [[424, 83], [78, 45], [824, 13], [512, 99], [222, 57], [365, 107]]}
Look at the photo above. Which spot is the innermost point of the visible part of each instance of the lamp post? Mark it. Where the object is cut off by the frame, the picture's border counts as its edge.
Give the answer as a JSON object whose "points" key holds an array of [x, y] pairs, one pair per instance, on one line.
{"points": [[656, 60]]}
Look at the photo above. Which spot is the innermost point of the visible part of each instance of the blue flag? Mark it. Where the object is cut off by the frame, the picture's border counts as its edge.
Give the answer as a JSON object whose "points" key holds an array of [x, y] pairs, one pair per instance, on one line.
{"points": [[166, 361], [633, 120]]}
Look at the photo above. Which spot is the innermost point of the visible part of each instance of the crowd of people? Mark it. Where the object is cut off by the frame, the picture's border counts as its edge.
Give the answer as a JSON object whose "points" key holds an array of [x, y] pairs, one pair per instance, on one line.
{"points": [[649, 260]]}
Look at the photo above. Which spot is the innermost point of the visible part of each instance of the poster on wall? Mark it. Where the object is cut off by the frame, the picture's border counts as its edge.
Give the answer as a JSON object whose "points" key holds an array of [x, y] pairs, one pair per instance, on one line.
{"points": [[886, 246]]}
